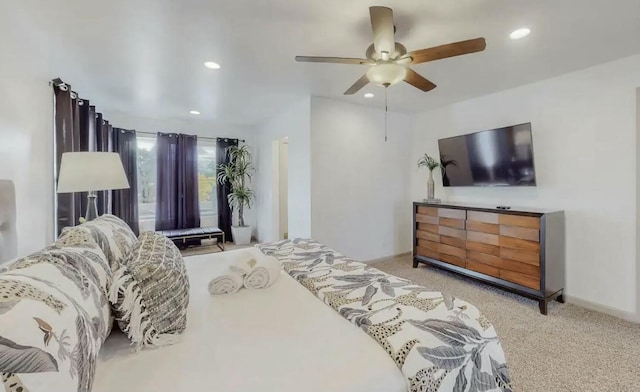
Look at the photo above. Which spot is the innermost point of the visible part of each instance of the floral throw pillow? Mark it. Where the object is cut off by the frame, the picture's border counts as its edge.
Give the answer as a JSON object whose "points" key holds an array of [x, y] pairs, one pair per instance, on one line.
{"points": [[54, 317], [112, 234], [150, 292]]}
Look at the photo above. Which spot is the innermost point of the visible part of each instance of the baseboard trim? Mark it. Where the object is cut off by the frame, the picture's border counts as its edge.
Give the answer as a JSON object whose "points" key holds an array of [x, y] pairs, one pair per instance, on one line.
{"points": [[621, 314], [386, 258]]}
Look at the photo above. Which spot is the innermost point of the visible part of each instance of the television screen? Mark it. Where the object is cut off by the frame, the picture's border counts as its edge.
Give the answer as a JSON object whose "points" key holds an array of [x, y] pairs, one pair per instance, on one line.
{"points": [[497, 157]]}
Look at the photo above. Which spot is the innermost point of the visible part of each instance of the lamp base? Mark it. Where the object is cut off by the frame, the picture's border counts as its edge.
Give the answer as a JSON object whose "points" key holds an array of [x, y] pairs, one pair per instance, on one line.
{"points": [[92, 209]]}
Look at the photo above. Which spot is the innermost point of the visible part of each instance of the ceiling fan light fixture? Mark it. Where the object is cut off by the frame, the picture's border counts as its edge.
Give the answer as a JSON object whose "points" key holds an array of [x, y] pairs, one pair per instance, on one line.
{"points": [[520, 33], [387, 74]]}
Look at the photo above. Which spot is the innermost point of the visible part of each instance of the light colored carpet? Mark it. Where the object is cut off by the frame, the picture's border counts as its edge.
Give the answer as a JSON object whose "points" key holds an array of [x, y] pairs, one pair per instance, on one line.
{"points": [[571, 349]]}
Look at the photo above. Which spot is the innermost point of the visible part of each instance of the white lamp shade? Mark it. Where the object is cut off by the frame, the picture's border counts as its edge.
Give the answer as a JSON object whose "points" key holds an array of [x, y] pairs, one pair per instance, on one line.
{"points": [[387, 74], [91, 171]]}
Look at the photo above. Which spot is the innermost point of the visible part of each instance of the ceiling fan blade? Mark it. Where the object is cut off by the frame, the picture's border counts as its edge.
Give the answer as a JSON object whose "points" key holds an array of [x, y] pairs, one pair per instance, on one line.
{"points": [[449, 50], [336, 60], [360, 83], [383, 30], [418, 81]]}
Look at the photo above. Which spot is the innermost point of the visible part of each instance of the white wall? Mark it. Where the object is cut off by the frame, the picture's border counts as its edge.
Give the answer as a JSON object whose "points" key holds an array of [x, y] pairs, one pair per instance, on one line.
{"points": [[637, 205], [584, 135], [26, 140], [293, 122], [360, 204]]}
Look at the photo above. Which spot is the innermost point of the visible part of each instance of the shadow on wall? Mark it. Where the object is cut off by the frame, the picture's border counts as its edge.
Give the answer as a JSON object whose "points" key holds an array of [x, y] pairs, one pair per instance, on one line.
{"points": [[8, 234]]}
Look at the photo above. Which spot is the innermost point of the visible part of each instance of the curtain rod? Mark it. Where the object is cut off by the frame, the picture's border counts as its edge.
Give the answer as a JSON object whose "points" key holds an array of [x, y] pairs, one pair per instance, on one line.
{"points": [[199, 137]]}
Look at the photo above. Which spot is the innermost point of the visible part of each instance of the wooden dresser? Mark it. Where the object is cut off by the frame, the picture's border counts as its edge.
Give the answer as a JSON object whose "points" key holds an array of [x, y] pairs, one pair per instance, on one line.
{"points": [[520, 250]]}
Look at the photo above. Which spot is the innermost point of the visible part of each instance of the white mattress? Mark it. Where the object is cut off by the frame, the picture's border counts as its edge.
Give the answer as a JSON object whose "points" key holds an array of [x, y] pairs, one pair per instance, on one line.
{"points": [[280, 339]]}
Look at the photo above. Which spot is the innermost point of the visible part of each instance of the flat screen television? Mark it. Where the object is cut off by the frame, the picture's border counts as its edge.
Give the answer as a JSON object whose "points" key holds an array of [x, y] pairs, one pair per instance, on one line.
{"points": [[497, 157]]}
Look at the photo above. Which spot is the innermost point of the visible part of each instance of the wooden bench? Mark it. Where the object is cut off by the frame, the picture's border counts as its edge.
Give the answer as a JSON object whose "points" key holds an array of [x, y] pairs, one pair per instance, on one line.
{"points": [[197, 233]]}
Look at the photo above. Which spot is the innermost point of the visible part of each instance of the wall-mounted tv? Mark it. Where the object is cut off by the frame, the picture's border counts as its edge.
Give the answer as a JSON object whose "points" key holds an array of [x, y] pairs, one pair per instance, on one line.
{"points": [[497, 157]]}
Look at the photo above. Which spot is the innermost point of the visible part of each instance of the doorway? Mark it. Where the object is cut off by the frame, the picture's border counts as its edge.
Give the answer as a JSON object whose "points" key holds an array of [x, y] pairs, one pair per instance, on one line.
{"points": [[280, 188], [283, 169]]}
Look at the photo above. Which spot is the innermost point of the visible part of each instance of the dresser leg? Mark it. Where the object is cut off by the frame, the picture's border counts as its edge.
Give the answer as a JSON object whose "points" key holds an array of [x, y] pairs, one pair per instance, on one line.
{"points": [[415, 263], [543, 306], [560, 298]]}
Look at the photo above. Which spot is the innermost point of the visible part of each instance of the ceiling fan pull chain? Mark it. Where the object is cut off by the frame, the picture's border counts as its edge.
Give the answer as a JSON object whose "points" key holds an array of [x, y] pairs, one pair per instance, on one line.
{"points": [[386, 109]]}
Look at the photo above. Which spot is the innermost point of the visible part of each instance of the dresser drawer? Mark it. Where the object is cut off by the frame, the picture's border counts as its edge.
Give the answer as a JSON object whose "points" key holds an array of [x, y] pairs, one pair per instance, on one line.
{"points": [[428, 227], [485, 217], [483, 227], [420, 251], [483, 268], [516, 243], [504, 264], [433, 246], [455, 233], [432, 220], [425, 235], [452, 260], [484, 238], [521, 279], [452, 251], [457, 242], [450, 222], [452, 213], [523, 233], [493, 250], [531, 222], [433, 211], [527, 257]]}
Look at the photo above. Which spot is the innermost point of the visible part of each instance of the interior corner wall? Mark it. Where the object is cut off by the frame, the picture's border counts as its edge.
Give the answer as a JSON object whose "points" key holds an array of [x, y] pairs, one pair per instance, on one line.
{"points": [[360, 204], [585, 148], [292, 122], [637, 205], [26, 140]]}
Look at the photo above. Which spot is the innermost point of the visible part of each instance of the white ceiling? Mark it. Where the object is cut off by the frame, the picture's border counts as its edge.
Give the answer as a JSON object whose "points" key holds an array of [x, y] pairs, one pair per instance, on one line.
{"points": [[145, 57]]}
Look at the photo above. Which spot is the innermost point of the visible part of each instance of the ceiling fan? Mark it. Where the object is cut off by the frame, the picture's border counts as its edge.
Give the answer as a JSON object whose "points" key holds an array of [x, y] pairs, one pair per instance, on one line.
{"points": [[388, 60]]}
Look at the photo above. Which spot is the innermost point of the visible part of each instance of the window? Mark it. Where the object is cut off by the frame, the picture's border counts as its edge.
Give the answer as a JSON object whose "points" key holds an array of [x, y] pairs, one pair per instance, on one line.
{"points": [[207, 196], [207, 177], [146, 177]]}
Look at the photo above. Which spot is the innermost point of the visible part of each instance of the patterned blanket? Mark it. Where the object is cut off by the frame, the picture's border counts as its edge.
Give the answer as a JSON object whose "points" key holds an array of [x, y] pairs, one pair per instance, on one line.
{"points": [[440, 343]]}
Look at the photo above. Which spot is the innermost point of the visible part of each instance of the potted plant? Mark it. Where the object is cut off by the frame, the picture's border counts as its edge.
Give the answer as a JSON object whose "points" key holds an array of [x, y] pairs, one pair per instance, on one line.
{"points": [[432, 165], [237, 173]]}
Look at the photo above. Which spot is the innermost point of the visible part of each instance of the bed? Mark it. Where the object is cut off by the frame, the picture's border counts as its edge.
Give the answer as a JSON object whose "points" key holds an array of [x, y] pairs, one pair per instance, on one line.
{"points": [[280, 339], [329, 324]]}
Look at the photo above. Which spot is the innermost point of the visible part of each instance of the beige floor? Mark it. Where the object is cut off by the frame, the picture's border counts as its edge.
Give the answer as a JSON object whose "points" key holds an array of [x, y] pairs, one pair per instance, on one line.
{"points": [[571, 349]]}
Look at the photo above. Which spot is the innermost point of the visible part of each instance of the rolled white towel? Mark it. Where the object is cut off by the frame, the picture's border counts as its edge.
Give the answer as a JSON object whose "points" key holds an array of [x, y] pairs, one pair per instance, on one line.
{"points": [[228, 283], [245, 261], [264, 274]]}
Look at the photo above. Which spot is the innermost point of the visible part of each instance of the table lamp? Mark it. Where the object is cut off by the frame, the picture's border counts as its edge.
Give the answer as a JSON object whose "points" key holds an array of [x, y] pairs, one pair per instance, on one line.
{"points": [[91, 172]]}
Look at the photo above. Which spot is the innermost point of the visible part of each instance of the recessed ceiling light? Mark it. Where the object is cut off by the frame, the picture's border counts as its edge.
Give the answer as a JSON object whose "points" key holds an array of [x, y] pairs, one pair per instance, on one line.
{"points": [[194, 112], [520, 33], [212, 65], [369, 95]]}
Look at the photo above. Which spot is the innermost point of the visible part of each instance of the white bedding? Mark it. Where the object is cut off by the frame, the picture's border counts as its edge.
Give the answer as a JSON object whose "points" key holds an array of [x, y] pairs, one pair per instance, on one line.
{"points": [[280, 339]]}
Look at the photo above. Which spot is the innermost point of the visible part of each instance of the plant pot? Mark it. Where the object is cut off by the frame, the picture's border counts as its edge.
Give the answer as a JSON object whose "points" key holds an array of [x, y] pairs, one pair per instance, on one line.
{"points": [[241, 234], [430, 187]]}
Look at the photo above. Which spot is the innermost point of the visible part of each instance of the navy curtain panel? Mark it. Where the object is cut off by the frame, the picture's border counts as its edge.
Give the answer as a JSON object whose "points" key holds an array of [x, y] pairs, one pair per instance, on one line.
{"points": [[66, 140], [224, 210], [177, 205], [124, 202], [103, 143], [79, 127]]}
